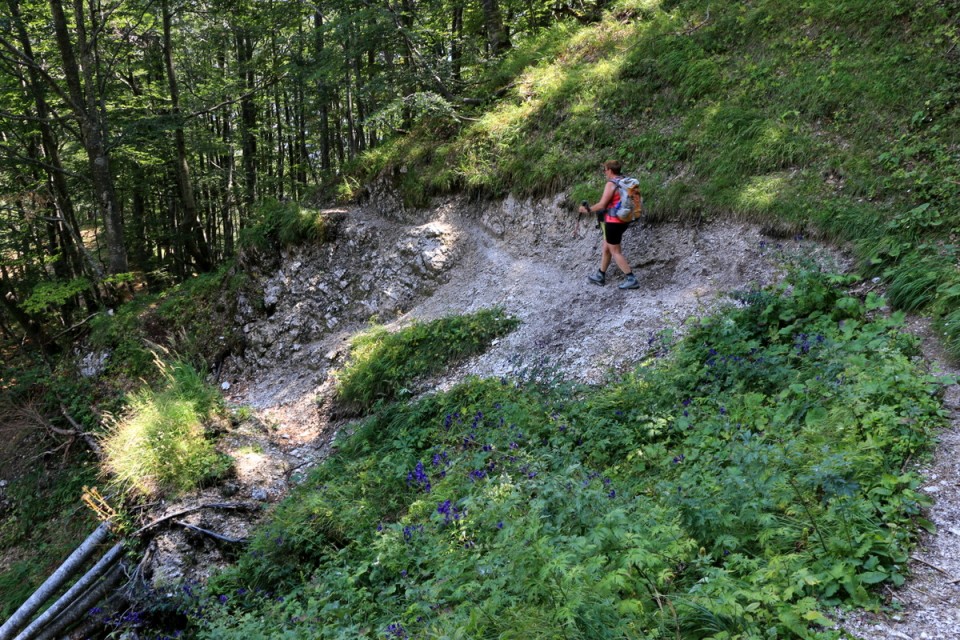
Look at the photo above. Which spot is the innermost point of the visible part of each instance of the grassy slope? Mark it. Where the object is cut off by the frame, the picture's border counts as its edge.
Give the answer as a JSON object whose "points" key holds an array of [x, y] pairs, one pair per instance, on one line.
{"points": [[833, 118]]}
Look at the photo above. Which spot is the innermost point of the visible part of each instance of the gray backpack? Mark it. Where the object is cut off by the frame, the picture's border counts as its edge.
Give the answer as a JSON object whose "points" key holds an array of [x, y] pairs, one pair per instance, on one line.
{"points": [[630, 207]]}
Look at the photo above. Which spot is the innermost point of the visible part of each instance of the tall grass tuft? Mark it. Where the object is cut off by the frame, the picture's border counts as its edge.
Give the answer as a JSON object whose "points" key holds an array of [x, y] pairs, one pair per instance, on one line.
{"points": [[160, 443]]}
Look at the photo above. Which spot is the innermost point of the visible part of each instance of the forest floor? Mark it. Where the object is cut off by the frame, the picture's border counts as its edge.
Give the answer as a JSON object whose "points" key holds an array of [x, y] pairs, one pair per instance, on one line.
{"points": [[529, 259]]}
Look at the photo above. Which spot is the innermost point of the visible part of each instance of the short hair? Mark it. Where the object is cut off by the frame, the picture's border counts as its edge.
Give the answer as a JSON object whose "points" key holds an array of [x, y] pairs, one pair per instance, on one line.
{"points": [[613, 165]]}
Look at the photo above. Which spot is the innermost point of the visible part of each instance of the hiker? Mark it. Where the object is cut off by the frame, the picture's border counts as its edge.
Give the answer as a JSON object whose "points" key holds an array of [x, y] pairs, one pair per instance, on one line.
{"points": [[612, 229]]}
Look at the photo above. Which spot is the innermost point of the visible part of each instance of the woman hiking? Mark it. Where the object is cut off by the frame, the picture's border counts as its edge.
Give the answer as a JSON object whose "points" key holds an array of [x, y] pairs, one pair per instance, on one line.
{"points": [[612, 228]]}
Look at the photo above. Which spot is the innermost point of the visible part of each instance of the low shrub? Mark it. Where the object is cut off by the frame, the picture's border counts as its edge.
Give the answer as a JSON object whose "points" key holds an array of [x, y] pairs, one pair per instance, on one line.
{"points": [[737, 487]]}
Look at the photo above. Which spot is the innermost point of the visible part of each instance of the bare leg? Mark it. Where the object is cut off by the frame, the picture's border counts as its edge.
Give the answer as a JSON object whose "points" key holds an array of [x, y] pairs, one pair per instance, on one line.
{"points": [[614, 250], [605, 257]]}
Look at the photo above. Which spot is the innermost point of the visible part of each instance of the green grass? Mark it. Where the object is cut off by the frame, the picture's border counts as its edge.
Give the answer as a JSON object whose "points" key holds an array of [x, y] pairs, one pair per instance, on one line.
{"points": [[383, 364], [192, 319], [741, 486], [160, 444], [279, 224]]}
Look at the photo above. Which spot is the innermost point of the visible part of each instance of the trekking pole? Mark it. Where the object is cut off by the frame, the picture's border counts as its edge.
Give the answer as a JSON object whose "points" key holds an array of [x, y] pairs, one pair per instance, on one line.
{"points": [[576, 229]]}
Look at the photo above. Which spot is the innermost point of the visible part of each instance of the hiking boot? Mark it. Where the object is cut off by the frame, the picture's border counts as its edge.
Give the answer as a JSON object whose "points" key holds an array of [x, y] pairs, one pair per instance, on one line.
{"points": [[630, 282], [599, 278]]}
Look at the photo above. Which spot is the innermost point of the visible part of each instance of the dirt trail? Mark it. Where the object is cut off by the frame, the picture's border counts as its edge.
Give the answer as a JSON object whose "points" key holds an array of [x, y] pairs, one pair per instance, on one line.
{"points": [[396, 266]]}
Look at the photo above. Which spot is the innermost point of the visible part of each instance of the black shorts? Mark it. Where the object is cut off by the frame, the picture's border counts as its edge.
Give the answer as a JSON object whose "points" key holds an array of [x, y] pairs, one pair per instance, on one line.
{"points": [[613, 231]]}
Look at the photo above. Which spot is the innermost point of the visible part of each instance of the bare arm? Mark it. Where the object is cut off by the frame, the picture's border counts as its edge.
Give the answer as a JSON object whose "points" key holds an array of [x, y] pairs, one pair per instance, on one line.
{"points": [[604, 199]]}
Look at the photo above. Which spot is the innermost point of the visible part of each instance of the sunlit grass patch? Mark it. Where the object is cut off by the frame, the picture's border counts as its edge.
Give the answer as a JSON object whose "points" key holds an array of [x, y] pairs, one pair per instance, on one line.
{"points": [[761, 192], [382, 363], [160, 443]]}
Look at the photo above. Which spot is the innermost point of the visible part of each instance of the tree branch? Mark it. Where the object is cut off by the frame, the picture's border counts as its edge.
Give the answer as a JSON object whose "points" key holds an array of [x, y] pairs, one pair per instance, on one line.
{"points": [[228, 101], [213, 505], [212, 534]]}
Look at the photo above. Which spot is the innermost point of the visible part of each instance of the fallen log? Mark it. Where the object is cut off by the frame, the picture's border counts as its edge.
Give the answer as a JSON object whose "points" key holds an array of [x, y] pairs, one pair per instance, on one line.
{"points": [[82, 605], [55, 582], [96, 572]]}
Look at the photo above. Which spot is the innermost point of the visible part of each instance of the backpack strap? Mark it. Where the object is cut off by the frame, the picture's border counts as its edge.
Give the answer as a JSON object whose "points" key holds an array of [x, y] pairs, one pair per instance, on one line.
{"points": [[617, 189]]}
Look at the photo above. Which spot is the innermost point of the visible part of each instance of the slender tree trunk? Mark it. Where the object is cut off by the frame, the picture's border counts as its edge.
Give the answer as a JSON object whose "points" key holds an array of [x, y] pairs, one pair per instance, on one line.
{"points": [[323, 94], [70, 229], [248, 116], [140, 248], [456, 42], [292, 148], [83, 103], [194, 242], [337, 130], [351, 139], [361, 114], [281, 151]]}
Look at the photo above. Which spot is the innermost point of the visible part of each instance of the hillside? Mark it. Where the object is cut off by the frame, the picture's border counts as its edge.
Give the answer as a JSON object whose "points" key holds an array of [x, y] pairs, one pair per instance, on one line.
{"points": [[832, 119], [378, 372]]}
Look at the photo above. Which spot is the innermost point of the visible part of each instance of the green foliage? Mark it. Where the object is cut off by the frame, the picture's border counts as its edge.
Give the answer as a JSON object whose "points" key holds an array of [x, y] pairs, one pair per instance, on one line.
{"points": [[160, 443], [194, 318], [190, 319], [47, 296], [122, 334], [278, 224], [948, 301], [382, 364], [738, 487], [832, 118]]}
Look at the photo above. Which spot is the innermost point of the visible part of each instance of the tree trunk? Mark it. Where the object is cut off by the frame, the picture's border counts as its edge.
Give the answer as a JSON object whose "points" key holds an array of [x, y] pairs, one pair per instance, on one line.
{"points": [[456, 42], [323, 95], [83, 103], [361, 112], [497, 38], [248, 116], [60, 190], [194, 242]]}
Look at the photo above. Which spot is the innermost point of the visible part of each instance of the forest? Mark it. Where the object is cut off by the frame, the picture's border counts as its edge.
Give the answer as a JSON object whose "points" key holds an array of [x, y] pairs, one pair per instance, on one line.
{"points": [[143, 138], [157, 157]]}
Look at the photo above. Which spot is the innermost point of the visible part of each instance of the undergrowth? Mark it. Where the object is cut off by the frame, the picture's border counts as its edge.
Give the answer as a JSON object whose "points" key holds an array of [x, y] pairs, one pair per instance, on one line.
{"points": [[192, 319], [161, 443], [277, 224], [738, 487], [382, 364]]}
